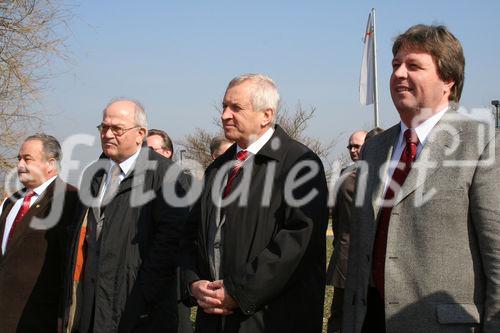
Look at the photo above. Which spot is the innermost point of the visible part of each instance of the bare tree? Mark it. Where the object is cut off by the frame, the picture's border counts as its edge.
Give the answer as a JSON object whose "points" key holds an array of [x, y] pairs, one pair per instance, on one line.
{"points": [[295, 124], [28, 42], [197, 146]]}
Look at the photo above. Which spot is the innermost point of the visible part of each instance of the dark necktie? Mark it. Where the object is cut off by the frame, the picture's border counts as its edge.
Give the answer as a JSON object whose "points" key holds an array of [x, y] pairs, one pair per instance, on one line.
{"points": [[20, 214], [399, 177], [241, 156]]}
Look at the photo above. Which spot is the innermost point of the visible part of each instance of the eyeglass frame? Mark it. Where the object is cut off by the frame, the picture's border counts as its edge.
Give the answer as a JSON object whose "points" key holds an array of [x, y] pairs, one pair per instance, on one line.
{"points": [[103, 128], [349, 147]]}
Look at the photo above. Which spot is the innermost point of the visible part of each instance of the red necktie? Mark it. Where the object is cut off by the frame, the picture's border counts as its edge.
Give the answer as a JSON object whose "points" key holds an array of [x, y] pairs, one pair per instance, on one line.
{"points": [[399, 176], [20, 214], [241, 156]]}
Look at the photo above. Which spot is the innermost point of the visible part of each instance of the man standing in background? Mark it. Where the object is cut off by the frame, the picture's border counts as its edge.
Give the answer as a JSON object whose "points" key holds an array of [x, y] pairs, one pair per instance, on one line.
{"points": [[341, 222], [160, 142], [219, 145]]}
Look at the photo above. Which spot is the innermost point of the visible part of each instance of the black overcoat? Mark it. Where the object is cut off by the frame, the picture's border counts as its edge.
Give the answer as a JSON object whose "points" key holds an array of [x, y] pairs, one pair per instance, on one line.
{"points": [[274, 253], [133, 276]]}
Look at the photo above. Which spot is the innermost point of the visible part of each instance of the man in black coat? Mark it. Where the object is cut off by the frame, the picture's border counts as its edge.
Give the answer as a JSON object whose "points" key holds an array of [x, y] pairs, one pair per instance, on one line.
{"points": [[33, 238], [341, 224], [255, 240], [123, 256]]}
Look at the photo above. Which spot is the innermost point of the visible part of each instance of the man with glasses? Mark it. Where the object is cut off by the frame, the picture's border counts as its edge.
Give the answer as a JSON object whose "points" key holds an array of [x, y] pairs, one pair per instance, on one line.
{"points": [[123, 256], [341, 220], [356, 140], [160, 142]]}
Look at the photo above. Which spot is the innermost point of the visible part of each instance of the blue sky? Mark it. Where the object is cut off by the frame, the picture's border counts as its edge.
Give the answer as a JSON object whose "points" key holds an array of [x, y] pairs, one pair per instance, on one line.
{"points": [[178, 56]]}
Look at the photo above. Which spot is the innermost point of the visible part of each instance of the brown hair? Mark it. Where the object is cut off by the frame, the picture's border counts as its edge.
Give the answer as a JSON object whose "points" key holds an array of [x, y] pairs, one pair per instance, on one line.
{"points": [[167, 142], [444, 47]]}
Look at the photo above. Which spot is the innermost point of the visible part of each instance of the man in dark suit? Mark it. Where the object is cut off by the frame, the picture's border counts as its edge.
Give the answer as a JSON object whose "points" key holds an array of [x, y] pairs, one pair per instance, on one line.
{"points": [[219, 145], [341, 221], [424, 255], [160, 142], [124, 251], [33, 233], [255, 242]]}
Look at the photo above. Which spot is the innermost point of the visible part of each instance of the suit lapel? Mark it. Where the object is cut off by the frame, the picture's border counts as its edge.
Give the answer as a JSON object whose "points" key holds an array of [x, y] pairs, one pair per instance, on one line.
{"points": [[380, 166], [95, 188], [5, 212], [139, 169], [430, 158], [37, 209]]}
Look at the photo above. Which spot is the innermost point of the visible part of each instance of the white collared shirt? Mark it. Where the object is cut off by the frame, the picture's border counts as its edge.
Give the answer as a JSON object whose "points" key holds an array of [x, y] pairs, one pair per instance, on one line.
{"points": [[423, 130], [125, 168], [259, 143], [17, 206]]}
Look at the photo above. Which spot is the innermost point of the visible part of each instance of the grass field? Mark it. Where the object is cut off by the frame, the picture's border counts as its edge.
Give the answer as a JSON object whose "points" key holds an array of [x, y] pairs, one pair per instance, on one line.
{"points": [[328, 291]]}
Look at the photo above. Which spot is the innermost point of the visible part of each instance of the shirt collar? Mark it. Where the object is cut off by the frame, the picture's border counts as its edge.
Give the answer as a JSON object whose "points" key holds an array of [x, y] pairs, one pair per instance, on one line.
{"points": [[40, 189], [423, 130], [259, 143], [126, 165]]}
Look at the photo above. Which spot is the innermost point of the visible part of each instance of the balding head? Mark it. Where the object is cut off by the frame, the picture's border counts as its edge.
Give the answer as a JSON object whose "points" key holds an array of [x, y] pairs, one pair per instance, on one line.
{"points": [[123, 129], [356, 140]]}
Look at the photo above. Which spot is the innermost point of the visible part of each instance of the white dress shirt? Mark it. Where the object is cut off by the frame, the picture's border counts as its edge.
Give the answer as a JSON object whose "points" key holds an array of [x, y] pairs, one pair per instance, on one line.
{"points": [[259, 143], [15, 209], [125, 168], [423, 130]]}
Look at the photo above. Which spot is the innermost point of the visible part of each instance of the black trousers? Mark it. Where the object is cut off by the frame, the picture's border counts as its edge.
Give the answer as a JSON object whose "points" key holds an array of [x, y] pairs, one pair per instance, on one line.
{"points": [[375, 313]]}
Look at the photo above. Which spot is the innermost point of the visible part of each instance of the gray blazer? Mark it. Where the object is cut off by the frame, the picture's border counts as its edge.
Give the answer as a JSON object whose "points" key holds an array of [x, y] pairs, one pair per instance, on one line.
{"points": [[442, 268]]}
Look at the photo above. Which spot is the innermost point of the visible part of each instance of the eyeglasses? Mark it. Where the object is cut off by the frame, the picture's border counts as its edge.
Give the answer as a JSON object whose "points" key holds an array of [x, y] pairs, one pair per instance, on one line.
{"points": [[349, 147], [116, 130]]}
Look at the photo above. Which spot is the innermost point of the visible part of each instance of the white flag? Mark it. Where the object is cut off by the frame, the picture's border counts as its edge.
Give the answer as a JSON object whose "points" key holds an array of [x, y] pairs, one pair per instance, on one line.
{"points": [[366, 79]]}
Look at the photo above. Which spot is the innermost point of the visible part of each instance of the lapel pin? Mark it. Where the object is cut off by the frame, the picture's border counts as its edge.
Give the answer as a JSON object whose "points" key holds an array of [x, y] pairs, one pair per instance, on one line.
{"points": [[37, 206]]}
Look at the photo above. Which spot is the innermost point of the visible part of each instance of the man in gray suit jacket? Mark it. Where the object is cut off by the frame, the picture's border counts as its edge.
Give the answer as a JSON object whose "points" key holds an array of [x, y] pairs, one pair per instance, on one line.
{"points": [[425, 253]]}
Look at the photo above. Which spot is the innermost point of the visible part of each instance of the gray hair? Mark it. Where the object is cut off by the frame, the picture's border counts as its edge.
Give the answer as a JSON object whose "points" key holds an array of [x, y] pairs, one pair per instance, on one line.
{"points": [[264, 92], [140, 118], [51, 147]]}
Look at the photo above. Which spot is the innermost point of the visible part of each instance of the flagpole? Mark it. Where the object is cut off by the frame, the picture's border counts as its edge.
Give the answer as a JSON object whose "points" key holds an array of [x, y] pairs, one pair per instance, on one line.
{"points": [[375, 86]]}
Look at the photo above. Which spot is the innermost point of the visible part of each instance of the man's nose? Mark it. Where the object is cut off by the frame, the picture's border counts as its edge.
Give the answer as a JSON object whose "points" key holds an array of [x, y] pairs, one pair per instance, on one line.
{"points": [[226, 113], [107, 133], [21, 163], [400, 72]]}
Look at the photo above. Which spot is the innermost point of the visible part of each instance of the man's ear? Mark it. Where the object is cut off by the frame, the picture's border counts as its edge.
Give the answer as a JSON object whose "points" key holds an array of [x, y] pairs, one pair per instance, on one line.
{"points": [[52, 165], [448, 85], [268, 117], [142, 135]]}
